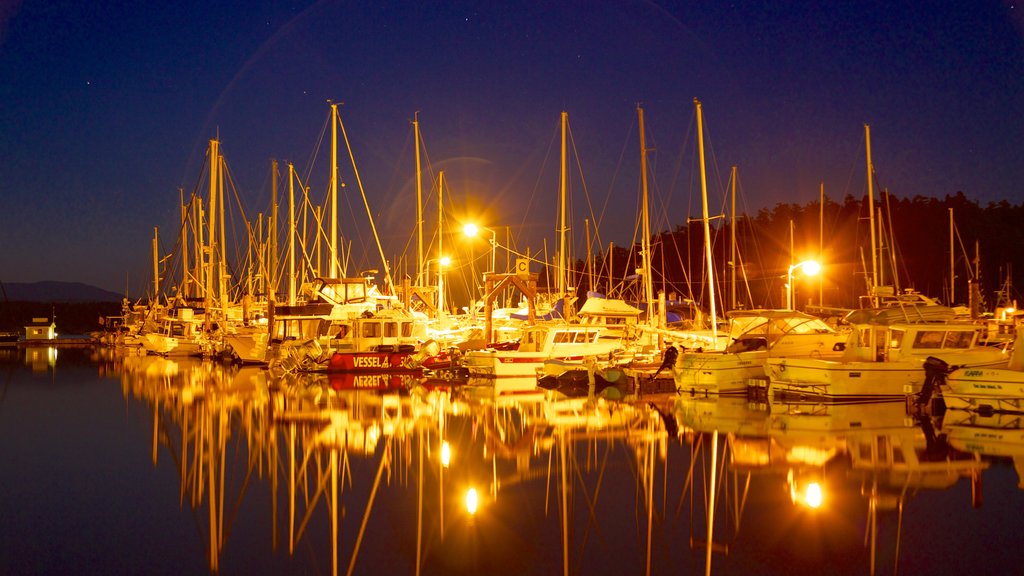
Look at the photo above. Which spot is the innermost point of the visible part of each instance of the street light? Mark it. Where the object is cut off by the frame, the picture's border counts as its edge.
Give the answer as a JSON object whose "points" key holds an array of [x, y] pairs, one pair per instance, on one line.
{"points": [[810, 268], [471, 230]]}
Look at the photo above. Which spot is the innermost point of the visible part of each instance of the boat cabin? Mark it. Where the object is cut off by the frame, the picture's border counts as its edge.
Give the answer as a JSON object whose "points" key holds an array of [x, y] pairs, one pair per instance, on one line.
{"points": [[881, 343], [377, 334], [553, 340]]}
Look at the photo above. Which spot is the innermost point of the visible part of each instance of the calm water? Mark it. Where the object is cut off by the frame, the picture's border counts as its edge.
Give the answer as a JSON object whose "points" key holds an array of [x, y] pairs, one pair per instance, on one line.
{"points": [[142, 465]]}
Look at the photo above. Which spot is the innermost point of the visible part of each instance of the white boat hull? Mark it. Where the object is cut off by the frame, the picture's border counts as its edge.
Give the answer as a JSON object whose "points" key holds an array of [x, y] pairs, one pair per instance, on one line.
{"points": [[997, 389], [711, 373]]}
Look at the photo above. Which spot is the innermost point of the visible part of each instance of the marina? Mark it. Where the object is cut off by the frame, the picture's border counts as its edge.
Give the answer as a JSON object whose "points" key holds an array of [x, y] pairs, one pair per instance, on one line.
{"points": [[339, 288], [147, 464]]}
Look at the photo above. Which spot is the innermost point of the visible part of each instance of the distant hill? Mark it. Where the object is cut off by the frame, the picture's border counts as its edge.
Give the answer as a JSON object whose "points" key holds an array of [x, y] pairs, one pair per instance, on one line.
{"points": [[56, 292]]}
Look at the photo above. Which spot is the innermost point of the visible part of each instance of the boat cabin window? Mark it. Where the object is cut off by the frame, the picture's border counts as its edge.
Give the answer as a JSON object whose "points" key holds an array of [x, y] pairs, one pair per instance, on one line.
{"points": [[896, 337], [959, 339], [177, 329], [929, 339], [406, 329], [371, 329], [391, 329], [561, 337], [956, 339]]}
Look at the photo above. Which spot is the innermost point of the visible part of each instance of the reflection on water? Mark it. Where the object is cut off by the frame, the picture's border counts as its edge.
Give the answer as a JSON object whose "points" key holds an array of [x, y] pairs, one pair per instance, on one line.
{"points": [[322, 474]]}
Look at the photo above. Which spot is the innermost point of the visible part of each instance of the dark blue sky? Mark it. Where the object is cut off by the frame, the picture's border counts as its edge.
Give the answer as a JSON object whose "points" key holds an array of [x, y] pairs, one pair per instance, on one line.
{"points": [[107, 108]]}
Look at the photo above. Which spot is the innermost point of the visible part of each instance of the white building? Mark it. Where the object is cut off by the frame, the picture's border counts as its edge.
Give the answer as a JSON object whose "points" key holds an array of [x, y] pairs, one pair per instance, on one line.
{"points": [[41, 329]]}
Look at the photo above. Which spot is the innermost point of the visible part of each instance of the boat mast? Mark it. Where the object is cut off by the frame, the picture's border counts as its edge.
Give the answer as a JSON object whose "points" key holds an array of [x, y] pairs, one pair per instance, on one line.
{"points": [[707, 226], [440, 250], [291, 234], [732, 244], [560, 283], [333, 242], [871, 214], [645, 241], [272, 234], [156, 265], [183, 290], [821, 243], [419, 203], [952, 259], [210, 251], [222, 290]]}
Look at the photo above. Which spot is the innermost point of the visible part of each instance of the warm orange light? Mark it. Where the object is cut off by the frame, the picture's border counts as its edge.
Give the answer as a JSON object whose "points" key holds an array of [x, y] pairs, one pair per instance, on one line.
{"points": [[470, 229], [813, 495], [446, 454], [472, 501]]}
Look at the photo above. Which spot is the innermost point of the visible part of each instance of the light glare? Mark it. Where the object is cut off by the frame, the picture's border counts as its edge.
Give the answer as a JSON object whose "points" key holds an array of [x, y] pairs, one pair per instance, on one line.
{"points": [[471, 501], [446, 454], [813, 496]]}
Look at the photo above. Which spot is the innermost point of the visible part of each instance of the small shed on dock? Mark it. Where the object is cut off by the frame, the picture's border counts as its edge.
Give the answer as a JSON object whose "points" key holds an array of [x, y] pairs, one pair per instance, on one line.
{"points": [[41, 329]]}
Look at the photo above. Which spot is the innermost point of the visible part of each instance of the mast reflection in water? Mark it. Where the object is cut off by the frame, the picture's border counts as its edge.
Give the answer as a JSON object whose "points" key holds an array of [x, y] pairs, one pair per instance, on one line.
{"points": [[133, 464]]}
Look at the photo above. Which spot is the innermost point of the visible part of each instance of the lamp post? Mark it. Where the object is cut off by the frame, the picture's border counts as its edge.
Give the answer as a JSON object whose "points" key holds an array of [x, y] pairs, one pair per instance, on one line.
{"points": [[810, 268], [471, 230]]}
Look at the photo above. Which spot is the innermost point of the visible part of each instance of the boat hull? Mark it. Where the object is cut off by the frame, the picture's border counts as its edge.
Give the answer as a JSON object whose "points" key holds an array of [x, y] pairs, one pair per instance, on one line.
{"points": [[711, 373], [995, 389]]}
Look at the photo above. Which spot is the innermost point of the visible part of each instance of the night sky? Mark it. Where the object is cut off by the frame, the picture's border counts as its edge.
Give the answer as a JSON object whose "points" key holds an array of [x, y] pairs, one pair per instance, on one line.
{"points": [[107, 109]]}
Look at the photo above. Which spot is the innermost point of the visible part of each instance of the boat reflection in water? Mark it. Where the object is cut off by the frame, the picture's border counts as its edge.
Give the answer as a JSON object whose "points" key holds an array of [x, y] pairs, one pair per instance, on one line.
{"points": [[825, 456], [429, 476], [330, 447]]}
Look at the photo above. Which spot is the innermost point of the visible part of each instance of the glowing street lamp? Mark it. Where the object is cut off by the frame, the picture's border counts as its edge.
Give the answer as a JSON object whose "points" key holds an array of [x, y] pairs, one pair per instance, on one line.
{"points": [[471, 230], [472, 501], [809, 267]]}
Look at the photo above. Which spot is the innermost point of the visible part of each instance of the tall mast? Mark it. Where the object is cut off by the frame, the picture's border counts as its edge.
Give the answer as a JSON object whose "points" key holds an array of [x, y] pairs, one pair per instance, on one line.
{"points": [[200, 247], [952, 259], [645, 241], [183, 290], [291, 234], [156, 266], [210, 251], [272, 233], [419, 203], [871, 214], [333, 242], [732, 244], [707, 225], [440, 248], [222, 291], [560, 283], [821, 243]]}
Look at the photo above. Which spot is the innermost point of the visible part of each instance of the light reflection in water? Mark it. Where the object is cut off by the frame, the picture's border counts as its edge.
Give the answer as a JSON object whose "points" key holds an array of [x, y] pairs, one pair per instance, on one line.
{"points": [[339, 461]]}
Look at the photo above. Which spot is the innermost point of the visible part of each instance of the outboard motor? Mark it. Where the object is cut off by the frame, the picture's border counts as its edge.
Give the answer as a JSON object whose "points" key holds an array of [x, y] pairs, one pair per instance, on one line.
{"points": [[935, 371]]}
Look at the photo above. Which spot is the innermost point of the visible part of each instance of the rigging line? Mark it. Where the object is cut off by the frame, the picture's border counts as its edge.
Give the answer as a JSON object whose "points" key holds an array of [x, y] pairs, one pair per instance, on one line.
{"points": [[583, 180], [540, 174], [315, 153], [598, 241], [387, 270]]}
